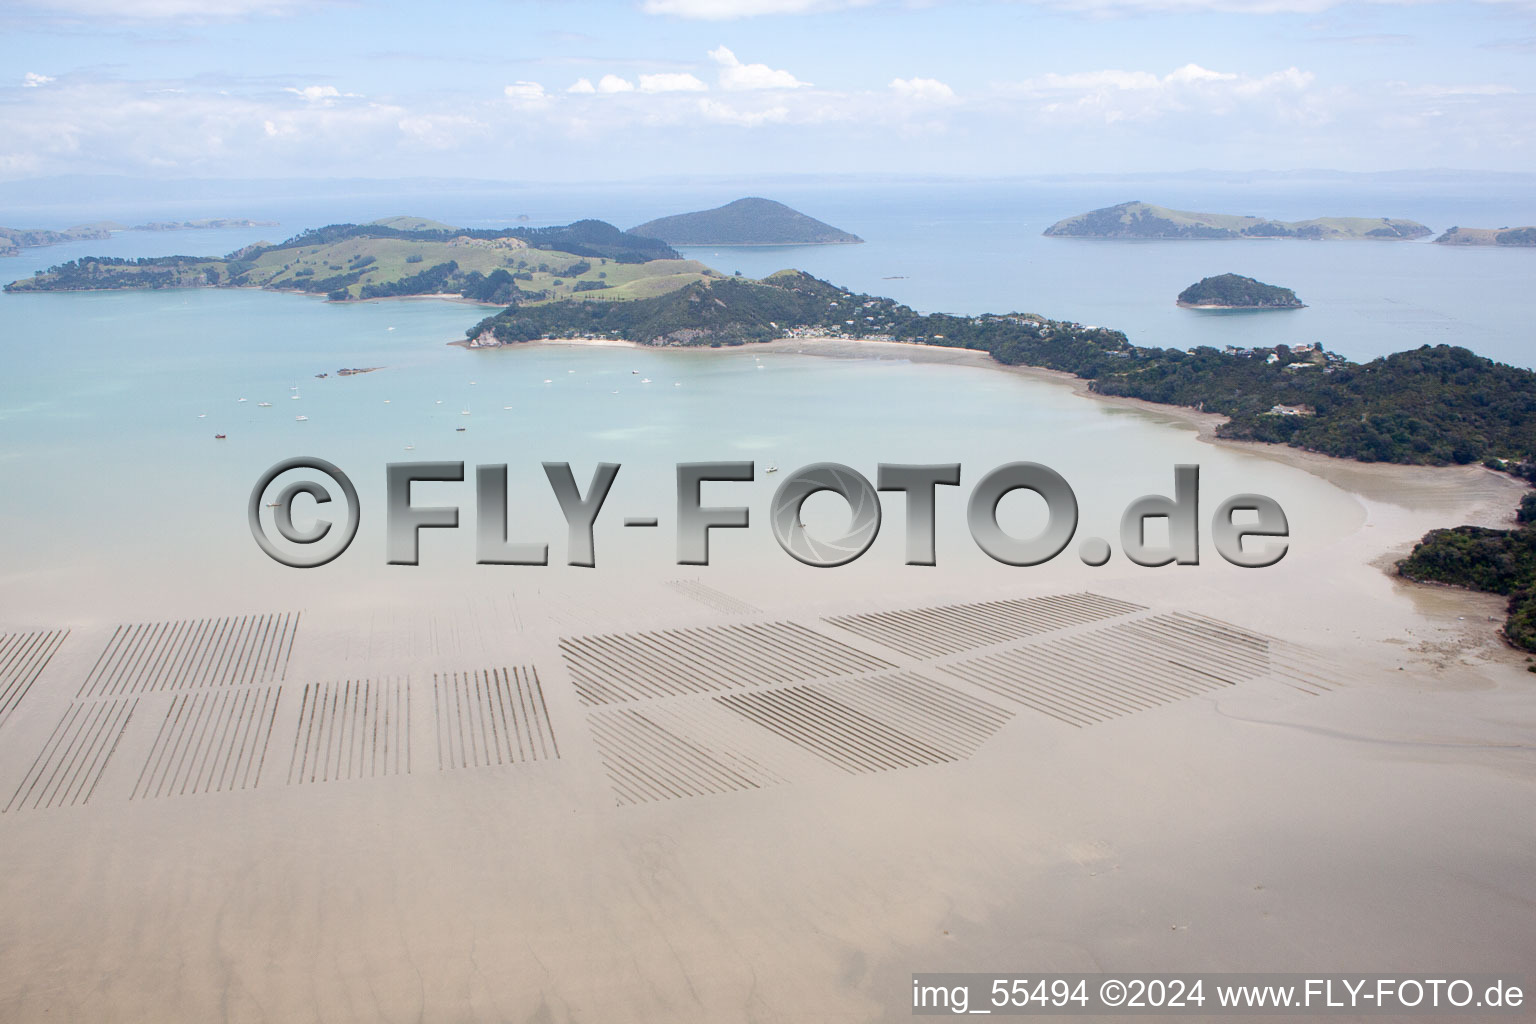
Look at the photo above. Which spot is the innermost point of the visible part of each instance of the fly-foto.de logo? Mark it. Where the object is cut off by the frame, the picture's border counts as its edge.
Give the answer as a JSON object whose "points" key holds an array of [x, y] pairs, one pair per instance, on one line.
{"points": [[1248, 530]]}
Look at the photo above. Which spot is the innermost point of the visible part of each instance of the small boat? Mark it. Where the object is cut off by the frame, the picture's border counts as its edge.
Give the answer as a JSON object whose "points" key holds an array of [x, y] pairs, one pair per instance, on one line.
{"points": [[293, 387], [771, 469], [264, 405], [645, 380], [570, 371], [473, 383], [548, 381], [295, 397], [389, 328], [410, 447], [239, 399], [439, 401], [218, 437], [459, 429], [677, 383], [386, 401], [301, 418], [463, 412], [634, 371], [506, 407], [274, 504], [321, 376], [202, 415]]}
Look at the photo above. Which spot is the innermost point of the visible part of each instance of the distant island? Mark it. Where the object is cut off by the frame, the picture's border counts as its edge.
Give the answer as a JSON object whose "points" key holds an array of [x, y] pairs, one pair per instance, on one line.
{"points": [[205, 224], [1513, 237], [1233, 291], [405, 256], [751, 221], [1143, 220], [13, 240]]}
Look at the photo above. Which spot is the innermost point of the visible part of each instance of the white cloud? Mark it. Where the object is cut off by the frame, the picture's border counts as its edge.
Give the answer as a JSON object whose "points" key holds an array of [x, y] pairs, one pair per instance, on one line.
{"points": [[581, 85], [724, 113], [735, 75], [323, 94], [1196, 73], [525, 92], [725, 10], [671, 82], [925, 89], [33, 80], [613, 83]]}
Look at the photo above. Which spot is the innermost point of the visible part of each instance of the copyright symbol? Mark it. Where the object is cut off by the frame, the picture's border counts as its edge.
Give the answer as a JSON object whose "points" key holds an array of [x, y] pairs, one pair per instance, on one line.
{"points": [[1112, 993], [282, 512]]}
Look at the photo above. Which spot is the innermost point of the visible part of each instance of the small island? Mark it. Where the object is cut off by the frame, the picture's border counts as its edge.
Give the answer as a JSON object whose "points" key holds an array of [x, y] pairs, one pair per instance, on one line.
{"points": [[1514, 238], [13, 240], [1233, 291], [1143, 220], [751, 221]]}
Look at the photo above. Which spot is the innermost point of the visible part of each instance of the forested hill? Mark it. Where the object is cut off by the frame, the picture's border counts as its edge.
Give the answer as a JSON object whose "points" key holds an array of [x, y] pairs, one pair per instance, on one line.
{"points": [[1432, 405], [1233, 291], [751, 221]]}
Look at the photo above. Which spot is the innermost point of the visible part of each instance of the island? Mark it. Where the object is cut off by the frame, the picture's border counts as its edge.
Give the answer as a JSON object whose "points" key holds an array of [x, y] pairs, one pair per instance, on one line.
{"points": [[204, 224], [750, 221], [13, 240], [408, 256], [1511, 237], [1143, 220], [1233, 291]]}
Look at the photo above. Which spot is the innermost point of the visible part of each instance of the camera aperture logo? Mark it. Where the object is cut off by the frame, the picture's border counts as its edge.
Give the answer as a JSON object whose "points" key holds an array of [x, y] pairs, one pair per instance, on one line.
{"points": [[1254, 518]]}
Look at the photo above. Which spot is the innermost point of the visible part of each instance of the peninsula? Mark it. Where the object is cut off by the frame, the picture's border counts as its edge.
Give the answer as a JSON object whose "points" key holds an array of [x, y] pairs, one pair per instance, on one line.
{"points": [[1510, 237], [750, 221], [1143, 220], [1233, 291], [405, 256]]}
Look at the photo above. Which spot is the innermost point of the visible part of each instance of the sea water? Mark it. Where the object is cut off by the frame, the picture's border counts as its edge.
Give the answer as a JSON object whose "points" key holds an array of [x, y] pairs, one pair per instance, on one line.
{"points": [[118, 496]]}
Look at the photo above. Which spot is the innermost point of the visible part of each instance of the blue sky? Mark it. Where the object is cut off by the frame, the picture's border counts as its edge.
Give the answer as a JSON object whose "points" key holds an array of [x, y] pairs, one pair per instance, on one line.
{"points": [[614, 89]]}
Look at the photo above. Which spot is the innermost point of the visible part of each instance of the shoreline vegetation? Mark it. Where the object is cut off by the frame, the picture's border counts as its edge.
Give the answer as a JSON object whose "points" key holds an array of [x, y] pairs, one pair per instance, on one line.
{"points": [[1144, 220]]}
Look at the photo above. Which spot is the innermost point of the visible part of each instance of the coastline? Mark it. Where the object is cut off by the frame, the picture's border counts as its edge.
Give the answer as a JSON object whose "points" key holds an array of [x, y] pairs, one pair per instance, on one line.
{"points": [[1402, 502]]}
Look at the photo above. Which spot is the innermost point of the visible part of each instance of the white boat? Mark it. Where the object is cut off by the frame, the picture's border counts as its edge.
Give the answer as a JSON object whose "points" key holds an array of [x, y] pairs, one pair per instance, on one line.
{"points": [[548, 381], [410, 447], [202, 415], [301, 417], [645, 380], [463, 412], [677, 383], [473, 383], [295, 397], [239, 399], [771, 469], [264, 405], [293, 387]]}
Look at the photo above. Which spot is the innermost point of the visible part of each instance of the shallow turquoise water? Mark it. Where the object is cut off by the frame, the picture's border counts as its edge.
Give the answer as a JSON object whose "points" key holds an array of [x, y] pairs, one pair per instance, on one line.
{"points": [[115, 487]]}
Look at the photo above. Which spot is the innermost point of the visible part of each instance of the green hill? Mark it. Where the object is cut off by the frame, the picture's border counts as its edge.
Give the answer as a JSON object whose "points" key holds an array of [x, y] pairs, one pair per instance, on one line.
{"points": [[1233, 291], [1143, 220], [749, 221], [405, 223], [1513, 237], [510, 266]]}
